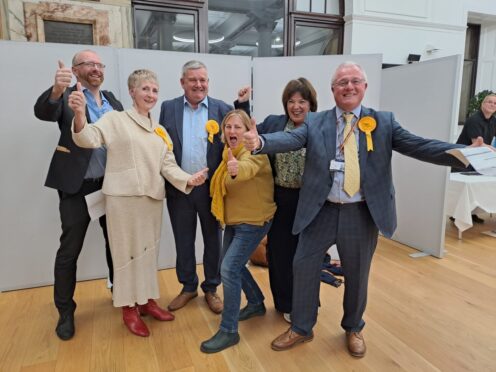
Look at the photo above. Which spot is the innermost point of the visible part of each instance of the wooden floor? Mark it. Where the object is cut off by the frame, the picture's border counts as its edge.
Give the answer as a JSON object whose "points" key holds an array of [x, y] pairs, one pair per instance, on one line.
{"points": [[423, 314]]}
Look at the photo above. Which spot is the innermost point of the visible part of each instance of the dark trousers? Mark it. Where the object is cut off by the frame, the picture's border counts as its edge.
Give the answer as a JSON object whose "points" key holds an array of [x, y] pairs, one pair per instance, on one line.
{"points": [[75, 220], [281, 247], [183, 212], [351, 227]]}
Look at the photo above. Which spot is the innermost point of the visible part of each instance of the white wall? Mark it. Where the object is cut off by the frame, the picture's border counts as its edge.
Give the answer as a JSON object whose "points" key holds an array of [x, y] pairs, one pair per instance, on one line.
{"points": [[398, 28]]}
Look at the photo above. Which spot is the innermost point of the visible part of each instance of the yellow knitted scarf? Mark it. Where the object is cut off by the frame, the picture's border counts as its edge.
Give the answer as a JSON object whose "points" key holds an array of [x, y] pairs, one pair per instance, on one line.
{"points": [[218, 185]]}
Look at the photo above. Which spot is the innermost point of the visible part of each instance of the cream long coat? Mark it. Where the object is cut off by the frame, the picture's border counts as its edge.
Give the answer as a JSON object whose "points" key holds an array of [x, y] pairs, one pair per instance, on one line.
{"points": [[138, 159]]}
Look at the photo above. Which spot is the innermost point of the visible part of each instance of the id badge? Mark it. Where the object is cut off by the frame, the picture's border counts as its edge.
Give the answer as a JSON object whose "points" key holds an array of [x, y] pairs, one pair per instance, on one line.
{"points": [[336, 166]]}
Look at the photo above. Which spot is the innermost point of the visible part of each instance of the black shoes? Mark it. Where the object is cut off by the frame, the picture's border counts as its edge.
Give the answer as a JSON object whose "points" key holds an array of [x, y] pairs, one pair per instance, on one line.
{"points": [[220, 341], [250, 310], [65, 326]]}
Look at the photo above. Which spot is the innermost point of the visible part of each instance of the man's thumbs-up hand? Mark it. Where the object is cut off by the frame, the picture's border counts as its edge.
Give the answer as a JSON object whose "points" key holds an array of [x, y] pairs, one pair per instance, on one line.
{"points": [[232, 164], [251, 138], [63, 78], [77, 102]]}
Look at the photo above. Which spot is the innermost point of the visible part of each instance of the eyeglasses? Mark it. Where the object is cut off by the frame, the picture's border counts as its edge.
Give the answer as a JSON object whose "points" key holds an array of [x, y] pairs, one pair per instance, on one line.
{"points": [[344, 83], [101, 66]]}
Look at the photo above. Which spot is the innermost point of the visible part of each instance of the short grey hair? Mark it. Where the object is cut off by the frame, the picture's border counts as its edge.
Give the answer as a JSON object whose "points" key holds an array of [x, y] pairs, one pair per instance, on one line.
{"points": [[138, 76], [193, 65], [349, 64]]}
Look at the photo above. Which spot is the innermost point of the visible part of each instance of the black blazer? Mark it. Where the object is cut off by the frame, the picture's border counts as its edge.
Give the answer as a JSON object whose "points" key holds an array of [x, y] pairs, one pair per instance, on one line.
{"points": [[69, 162]]}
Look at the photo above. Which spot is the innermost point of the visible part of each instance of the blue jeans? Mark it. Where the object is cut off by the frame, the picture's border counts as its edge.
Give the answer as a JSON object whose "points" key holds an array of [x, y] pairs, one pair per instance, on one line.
{"points": [[239, 243]]}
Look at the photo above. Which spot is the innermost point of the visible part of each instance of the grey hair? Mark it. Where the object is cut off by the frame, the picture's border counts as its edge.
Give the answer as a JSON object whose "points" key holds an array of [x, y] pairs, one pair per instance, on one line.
{"points": [[348, 64], [193, 65], [139, 76]]}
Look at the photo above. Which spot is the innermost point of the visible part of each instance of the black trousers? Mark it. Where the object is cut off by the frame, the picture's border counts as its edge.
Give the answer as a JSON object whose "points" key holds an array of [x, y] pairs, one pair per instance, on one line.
{"points": [[74, 219], [281, 248], [184, 210]]}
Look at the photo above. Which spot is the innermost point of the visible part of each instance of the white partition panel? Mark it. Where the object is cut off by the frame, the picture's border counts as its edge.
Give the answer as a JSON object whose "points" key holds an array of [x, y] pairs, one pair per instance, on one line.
{"points": [[270, 76], [29, 219], [424, 98]]}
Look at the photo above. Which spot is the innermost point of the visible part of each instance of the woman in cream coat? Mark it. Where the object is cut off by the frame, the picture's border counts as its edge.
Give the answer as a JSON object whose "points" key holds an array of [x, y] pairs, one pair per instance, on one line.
{"points": [[139, 156]]}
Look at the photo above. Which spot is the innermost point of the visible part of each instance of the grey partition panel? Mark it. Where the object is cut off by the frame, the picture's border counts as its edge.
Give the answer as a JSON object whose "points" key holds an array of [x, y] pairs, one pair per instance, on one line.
{"points": [[29, 220], [424, 98], [30, 225], [270, 76]]}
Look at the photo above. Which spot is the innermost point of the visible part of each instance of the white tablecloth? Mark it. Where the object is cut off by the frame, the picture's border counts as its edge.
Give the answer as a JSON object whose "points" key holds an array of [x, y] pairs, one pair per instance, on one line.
{"points": [[467, 193]]}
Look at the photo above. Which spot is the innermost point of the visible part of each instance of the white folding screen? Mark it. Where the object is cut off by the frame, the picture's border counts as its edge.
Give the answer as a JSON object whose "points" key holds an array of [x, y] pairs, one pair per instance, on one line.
{"points": [[424, 98], [30, 226]]}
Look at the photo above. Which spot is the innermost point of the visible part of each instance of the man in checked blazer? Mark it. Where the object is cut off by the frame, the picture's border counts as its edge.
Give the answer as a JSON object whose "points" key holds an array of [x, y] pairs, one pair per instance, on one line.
{"points": [[328, 215], [74, 172], [185, 118]]}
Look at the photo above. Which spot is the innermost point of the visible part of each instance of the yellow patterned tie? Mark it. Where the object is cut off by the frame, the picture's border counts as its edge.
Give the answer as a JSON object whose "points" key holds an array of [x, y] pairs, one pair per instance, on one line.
{"points": [[351, 167]]}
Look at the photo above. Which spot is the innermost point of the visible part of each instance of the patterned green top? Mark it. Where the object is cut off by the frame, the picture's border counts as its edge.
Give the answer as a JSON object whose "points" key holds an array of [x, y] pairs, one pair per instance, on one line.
{"points": [[289, 166]]}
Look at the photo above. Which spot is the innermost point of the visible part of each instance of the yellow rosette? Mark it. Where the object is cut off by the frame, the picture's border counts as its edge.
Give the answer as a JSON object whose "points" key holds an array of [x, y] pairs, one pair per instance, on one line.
{"points": [[212, 128], [161, 132], [367, 124]]}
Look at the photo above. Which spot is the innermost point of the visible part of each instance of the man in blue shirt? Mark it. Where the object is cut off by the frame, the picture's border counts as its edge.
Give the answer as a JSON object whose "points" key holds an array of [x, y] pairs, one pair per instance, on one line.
{"points": [[195, 148], [74, 172]]}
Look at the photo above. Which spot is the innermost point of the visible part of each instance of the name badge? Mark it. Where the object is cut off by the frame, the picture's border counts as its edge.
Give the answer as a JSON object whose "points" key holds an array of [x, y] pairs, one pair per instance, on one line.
{"points": [[336, 166]]}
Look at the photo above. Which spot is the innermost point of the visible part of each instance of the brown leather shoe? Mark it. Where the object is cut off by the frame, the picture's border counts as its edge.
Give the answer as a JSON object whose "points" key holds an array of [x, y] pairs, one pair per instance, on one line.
{"points": [[214, 302], [181, 300], [356, 344], [289, 339]]}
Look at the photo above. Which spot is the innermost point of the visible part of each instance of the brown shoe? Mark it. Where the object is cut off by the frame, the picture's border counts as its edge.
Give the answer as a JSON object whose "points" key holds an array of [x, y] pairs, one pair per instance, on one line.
{"points": [[356, 344], [214, 302], [181, 300], [289, 339]]}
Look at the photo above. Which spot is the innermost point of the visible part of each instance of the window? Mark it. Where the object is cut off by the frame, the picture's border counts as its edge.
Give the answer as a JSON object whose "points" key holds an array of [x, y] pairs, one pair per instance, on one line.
{"points": [[167, 27], [258, 28], [249, 27], [319, 6]]}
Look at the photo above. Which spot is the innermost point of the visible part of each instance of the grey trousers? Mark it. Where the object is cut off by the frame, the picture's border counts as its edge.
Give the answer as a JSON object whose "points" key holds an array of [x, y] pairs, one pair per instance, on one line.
{"points": [[351, 227]]}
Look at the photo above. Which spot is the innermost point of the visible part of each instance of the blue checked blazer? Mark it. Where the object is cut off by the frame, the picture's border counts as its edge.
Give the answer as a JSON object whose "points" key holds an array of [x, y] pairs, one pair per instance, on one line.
{"points": [[318, 135]]}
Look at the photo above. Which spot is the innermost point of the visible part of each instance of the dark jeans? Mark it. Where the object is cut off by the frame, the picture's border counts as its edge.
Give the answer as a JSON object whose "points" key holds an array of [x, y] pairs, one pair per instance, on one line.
{"points": [[75, 219], [240, 241]]}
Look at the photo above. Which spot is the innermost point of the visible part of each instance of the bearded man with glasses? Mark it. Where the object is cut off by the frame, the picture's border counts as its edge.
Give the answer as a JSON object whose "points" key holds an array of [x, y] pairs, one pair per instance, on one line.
{"points": [[74, 172]]}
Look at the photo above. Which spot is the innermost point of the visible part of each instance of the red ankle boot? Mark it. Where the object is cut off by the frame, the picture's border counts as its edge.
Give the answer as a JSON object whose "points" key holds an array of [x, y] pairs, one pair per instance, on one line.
{"points": [[151, 308], [133, 322]]}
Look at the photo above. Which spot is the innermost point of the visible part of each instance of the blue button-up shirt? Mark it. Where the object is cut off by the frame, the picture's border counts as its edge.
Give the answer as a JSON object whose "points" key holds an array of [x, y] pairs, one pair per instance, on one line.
{"points": [[96, 167], [337, 194], [194, 156]]}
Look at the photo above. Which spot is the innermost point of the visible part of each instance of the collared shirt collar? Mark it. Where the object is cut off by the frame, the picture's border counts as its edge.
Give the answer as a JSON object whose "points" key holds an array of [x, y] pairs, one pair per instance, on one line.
{"points": [[204, 102], [356, 111], [88, 94]]}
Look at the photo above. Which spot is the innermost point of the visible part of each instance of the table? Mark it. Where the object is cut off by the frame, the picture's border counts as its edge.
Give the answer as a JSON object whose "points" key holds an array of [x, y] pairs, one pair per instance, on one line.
{"points": [[465, 193]]}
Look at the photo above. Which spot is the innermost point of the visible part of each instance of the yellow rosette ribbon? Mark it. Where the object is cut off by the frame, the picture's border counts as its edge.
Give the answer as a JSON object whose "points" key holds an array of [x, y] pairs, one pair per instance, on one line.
{"points": [[212, 128], [161, 132], [367, 124]]}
